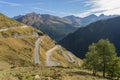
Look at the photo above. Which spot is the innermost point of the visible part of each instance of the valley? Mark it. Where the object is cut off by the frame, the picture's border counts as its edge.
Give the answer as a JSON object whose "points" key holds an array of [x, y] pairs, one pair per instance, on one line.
{"points": [[79, 41], [59, 40], [58, 27]]}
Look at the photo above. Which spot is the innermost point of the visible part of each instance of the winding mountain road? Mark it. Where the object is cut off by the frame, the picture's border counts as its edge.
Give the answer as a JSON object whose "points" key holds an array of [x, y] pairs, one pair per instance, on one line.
{"points": [[50, 62], [69, 57], [65, 55], [37, 50], [5, 29], [37, 43]]}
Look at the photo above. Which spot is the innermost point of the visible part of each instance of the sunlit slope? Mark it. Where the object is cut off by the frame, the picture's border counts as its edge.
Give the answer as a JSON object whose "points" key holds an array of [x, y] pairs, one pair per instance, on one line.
{"points": [[8, 22], [18, 45]]}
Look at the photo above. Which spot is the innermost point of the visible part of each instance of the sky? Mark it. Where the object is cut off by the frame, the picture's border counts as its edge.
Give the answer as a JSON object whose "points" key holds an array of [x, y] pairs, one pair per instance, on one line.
{"points": [[60, 8]]}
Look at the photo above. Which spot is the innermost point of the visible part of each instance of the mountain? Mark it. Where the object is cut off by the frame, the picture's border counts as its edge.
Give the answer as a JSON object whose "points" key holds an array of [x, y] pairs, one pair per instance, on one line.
{"points": [[76, 21], [79, 41], [56, 27], [80, 22], [25, 46]]}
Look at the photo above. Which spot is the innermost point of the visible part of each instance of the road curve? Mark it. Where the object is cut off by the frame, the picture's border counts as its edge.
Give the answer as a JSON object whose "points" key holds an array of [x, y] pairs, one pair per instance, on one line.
{"points": [[50, 62], [69, 57], [37, 50], [65, 55]]}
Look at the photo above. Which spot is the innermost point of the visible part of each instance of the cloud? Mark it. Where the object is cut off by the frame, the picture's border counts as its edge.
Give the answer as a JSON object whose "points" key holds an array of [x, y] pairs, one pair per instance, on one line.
{"points": [[9, 3], [42, 9], [107, 7], [52, 11]]}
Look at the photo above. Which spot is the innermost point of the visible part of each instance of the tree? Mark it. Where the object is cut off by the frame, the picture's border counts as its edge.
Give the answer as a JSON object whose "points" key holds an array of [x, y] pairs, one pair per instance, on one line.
{"points": [[106, 52], [114, 68], [92, 61], [100, 56]]}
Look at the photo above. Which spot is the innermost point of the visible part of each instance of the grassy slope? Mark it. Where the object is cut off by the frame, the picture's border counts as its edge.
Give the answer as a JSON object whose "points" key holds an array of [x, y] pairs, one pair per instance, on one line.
{"points": [[48, 73], [19, 53], [19, 31], [8, 22]]}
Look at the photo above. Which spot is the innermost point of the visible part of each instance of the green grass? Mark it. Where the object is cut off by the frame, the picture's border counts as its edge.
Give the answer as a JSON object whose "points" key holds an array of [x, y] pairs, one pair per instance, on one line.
{"points": [[48, 73]]}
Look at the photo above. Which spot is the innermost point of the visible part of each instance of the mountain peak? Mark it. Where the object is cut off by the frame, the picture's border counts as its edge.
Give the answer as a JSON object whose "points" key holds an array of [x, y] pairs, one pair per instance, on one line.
{"points": [[72, 16], [90, 16], [101, 15], [32, 13]]}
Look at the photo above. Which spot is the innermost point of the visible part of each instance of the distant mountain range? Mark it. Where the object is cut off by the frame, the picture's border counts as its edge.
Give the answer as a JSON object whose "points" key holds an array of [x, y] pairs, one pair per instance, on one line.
{"points": [[81, 22], [56, 27], [79, 41]]}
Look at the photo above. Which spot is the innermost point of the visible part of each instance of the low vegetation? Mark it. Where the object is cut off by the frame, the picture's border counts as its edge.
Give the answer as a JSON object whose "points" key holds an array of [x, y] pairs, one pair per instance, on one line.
{"points": [[17, 32], [48, 73], [17, 52]]}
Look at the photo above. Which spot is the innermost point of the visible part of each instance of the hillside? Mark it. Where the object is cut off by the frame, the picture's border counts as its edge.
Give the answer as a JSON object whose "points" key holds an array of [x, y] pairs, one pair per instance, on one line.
{"points": [[24, 46], [57, 28], [79, 41], [7, 22], [76, 21]]}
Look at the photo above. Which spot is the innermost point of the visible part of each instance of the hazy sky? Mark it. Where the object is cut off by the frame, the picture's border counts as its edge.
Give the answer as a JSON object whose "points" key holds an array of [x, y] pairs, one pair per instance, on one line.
{"points": [[60, 7]]}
